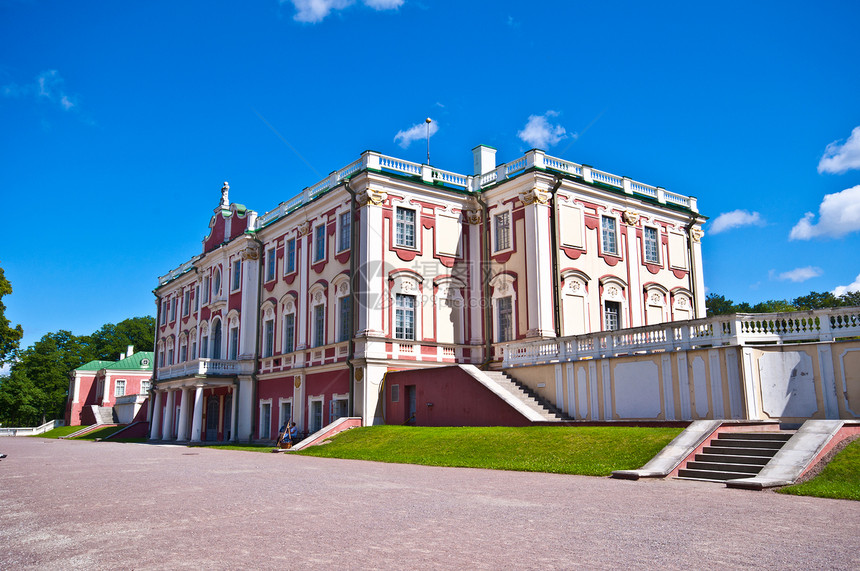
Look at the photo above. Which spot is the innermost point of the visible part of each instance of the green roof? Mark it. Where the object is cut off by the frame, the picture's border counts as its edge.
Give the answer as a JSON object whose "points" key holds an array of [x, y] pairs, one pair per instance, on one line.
{"points": [[94, 365], [142, 360]]}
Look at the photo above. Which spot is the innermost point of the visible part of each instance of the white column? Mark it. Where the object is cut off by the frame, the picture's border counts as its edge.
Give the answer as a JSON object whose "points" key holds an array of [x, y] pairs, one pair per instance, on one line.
{"points": [[155, 425], [476, 283], [539, 280], [701, 309], [197, 419], [372, 413], [234, 406], [634, 288], [371, 263], [245, 410], [302, 296], [76, 388], [184, 406], [249, 316], [106, 391], [167, 426]]}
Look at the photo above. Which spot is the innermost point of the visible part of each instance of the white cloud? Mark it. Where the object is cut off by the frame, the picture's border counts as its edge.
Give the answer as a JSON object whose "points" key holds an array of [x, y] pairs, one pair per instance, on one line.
{"points": [[540, 133], [838, 215], [735, 219], [48, 85], [840, 157], [313, 11], [798, 275], [414, 133], [842, 290]]}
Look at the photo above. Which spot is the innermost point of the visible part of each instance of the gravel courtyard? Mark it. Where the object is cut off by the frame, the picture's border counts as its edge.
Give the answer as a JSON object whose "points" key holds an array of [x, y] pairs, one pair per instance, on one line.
{"points": [[101, 505]]}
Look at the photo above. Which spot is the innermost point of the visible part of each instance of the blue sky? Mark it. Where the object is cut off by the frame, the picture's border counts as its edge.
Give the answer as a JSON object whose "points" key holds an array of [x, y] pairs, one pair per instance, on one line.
{"points": [[119, 121]]}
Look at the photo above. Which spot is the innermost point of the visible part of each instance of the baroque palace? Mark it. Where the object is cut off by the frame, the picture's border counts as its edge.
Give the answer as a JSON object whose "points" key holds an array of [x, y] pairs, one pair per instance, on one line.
{"points": [[388, 265]]}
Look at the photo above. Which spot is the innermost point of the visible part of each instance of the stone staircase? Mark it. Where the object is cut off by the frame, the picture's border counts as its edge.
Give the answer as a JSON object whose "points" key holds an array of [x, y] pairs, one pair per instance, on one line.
{"points": [[103, 414], [527, 396], [733, 455]]}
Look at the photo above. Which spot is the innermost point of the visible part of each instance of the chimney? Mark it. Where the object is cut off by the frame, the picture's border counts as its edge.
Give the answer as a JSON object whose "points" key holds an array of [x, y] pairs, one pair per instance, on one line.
{"points": [[121, 356], [484, 159], [130, 351]]}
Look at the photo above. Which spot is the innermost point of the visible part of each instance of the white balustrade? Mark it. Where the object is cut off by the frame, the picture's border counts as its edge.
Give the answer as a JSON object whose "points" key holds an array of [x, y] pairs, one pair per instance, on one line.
{"points": [[738, 329]]}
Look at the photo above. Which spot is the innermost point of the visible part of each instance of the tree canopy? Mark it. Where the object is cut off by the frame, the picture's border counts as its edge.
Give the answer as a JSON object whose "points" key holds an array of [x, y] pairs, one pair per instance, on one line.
{"points": [[719, 305], [9, 336], [36, 388]]}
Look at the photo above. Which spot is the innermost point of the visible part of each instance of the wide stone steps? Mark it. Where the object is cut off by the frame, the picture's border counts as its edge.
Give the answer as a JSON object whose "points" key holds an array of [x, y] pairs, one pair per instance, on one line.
{"points": [[733, 455], [526, 396]]}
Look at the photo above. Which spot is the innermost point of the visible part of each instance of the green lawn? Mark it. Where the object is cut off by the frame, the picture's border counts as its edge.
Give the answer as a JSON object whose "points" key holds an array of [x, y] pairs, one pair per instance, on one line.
{"points": [[839, 480], [590, 451], [58, 432], [100, 433]]}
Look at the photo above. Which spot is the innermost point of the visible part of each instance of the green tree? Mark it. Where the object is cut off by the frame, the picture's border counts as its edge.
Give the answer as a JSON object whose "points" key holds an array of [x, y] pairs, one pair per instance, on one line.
{"points": [[773, 306], [110, 340], [851, 298], [9, 336], [718, 305], [19, 400], [816, 300]]}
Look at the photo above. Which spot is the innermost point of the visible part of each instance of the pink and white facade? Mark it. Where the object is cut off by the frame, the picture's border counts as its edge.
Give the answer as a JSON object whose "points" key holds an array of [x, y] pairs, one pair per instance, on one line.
{"points": [[122, 385], [390, 265]]}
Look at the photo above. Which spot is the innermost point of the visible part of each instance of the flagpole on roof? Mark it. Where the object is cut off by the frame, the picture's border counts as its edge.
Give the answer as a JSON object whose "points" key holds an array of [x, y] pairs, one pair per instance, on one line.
{"points": [[428, 121]]}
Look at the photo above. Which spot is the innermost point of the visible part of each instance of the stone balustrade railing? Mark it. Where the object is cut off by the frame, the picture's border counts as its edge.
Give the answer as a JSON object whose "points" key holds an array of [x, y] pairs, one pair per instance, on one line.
{"points": [[738, 329], [227, 367]]}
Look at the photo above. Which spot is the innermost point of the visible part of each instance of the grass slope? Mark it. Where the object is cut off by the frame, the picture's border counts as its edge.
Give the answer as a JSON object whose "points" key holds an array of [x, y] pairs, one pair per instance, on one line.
{"points": [[590, 451], [839, 480], [58, 432]]}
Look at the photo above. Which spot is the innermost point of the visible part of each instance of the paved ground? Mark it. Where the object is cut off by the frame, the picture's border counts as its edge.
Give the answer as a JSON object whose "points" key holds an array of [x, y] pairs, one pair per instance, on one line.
{"points": [[88, 505]]}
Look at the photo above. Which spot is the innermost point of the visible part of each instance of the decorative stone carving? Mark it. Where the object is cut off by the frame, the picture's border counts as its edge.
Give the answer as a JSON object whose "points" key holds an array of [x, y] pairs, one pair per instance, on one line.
{"points": [[697, 234], [225, 200], [656, 299], [534, 196], [371, 196], [297, 381], [289, 307], [318, 296], [304, 228], [343, 288], [250, 252], [631, 217]]}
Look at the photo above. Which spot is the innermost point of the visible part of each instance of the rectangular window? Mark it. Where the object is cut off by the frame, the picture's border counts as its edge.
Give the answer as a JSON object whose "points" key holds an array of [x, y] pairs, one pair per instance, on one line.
{"points": [[173, 309], [319, 325], [650, 236], [266, 420], [319, 243], [183, 353], [271, 262], [405, 233], [291, 256], [236, 275], [611, 315], [144, 387], [269, 338], [204, 347], [395, 393], [119, 388], [345, 311], [234, 343], [197, 298], [502, 223], [186, 303], [404, 320], [610, 244], [193, 350], [206, 289], [164, 306], [161, 358], [506, 319], [289, 332], [170, 356], [345, 232]]}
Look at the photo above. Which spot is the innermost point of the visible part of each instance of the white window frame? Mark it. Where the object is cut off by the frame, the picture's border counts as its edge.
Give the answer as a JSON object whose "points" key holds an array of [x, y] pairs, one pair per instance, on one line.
{"points": [[267, 435], [613, 289], [504, 286], [281, 402], [197, 298], [145, 384], [186, 302], [319, 239], [509, 239], [449, 294], [271, 264], [217, 283], [117, 385], [205, 289], [312, 399], [411, 311], [269, 337], [344, 231], [290, 255], [401, 228], [656, 230], [604, 234], [235, 275]]}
